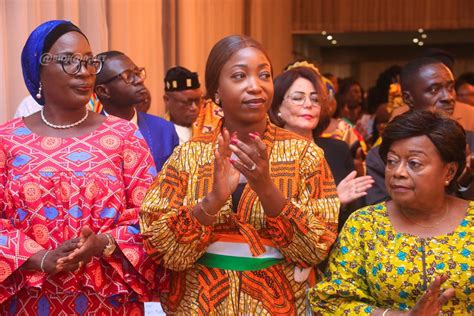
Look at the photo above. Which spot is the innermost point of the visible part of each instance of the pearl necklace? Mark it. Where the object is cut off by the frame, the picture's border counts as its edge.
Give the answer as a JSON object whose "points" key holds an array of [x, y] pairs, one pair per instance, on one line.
{"points": [[45, 121]]}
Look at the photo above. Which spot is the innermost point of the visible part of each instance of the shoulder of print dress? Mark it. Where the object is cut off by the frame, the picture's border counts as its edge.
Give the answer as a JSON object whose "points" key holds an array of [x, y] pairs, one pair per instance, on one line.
{"points": [[370, 217], [14, 127]]}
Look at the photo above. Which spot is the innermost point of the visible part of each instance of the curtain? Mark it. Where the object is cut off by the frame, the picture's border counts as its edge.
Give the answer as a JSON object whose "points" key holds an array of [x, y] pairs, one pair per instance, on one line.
{"points": [[270, 23], [135, 28], [192, 27], [4, 114]]}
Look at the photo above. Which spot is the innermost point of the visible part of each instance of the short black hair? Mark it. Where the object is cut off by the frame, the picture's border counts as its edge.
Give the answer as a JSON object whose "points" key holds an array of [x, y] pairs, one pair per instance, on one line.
{"points": [[103, 57], [467, 77], [447, 135], [412, 68], [443, 56], [378, 94], [345, 85]]}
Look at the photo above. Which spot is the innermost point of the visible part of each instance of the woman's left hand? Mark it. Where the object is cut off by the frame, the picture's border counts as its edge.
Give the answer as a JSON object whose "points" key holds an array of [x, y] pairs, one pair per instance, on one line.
{"points": [[352, 188], [252, 161], [90, 245], [433, 300]]}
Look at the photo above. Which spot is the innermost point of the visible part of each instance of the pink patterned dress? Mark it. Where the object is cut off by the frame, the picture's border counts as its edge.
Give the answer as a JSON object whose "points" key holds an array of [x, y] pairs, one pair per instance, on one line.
{"points": [[50, 188]]}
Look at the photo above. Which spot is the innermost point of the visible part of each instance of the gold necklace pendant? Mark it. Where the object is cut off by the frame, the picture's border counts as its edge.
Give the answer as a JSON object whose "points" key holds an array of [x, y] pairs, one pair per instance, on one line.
{"points": [[426, 226]]}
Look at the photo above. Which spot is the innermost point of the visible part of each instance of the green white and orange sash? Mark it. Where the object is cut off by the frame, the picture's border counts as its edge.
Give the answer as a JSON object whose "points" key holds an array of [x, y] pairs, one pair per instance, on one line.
{"points": [[232, 252]]}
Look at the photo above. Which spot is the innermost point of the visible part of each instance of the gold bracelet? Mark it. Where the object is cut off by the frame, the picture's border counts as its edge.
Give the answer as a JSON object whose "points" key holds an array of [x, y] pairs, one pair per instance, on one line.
{"points": [[110, 247], [205, 212]]}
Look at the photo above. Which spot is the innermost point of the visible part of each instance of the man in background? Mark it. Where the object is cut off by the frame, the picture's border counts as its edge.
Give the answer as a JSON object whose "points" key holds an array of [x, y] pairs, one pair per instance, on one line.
{"points": [[183, 98], [426, 84], [120, 87], [465, 88]]}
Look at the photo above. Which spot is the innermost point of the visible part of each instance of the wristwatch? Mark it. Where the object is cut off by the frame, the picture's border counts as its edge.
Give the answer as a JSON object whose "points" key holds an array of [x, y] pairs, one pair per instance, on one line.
{"points": [[110, 247]]}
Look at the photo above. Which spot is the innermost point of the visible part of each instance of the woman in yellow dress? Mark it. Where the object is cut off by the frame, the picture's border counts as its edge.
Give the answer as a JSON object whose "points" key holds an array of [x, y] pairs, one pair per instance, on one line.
{"points": [[413, 254]]}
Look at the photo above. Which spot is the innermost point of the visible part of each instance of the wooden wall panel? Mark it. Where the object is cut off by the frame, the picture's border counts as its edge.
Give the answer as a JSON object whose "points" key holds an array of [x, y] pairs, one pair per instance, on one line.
{"points": [[314, 16]]}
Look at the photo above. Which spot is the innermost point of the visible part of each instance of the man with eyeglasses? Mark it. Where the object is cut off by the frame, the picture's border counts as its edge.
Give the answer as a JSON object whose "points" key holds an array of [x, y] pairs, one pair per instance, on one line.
{"points": [[120, 87], [183, 99]]}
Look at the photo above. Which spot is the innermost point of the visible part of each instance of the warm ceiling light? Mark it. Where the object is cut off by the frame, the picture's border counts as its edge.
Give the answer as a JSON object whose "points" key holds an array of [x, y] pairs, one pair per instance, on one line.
{"points": [[420, 43], [415, 40], [424, 35], [334, 42], [329, 37], [420, 30], [323, 33]]}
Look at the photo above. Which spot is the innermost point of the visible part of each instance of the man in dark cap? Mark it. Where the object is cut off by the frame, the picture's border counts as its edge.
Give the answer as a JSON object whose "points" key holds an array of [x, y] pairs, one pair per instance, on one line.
{"points": [[183, 99], [120, 87]]}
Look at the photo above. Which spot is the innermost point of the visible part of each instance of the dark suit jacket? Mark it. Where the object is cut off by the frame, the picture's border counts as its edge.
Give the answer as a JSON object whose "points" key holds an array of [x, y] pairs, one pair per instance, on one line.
{"points": [[159, 135]]}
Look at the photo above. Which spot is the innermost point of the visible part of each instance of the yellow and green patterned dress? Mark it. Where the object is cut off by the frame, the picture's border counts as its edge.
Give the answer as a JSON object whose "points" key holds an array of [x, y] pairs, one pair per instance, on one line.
{"points": [[373, 266]]}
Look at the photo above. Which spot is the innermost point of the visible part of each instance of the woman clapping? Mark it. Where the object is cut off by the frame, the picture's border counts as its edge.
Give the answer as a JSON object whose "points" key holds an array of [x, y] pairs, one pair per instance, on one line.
{"points": [[242, 214]]}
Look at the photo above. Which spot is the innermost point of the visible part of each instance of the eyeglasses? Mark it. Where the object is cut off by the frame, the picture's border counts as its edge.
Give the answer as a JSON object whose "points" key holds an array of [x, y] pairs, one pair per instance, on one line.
{"points": [[299, 98], [129, 76], [72, 64]]}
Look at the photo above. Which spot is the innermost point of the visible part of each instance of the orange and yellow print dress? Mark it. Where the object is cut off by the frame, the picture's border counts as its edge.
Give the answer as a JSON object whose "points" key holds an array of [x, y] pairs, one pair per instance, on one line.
{"points": [[245, 263]]}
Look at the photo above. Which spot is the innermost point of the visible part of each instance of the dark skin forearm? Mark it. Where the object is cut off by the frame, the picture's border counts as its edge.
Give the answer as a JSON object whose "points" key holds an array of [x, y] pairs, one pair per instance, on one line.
{"points": [[34, 262], [258, 178], [50, 258], [210, 205], [226, 179]]}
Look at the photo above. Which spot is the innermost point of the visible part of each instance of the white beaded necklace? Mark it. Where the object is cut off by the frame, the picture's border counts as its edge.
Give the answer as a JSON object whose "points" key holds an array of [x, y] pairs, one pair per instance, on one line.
{"points": [[45, 121]]}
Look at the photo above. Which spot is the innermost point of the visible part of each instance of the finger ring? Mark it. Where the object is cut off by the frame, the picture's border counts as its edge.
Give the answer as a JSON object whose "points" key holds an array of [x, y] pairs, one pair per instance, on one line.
{"points": [[254, 166]]}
